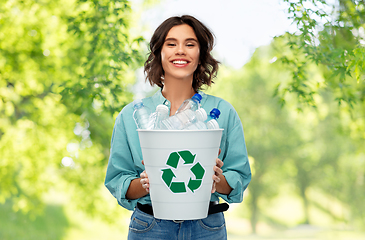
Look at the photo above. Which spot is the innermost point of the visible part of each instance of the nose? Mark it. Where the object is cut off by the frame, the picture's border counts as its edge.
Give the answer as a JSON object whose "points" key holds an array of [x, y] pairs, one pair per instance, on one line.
{"points": [[180, 50]]}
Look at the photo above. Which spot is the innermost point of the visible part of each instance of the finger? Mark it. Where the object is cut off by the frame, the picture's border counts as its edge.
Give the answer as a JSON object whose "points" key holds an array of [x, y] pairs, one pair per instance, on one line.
{"points": [[145, 184], [143, 174], [216, 179], [144, 181], [219, 152], [219, 163], [142, 162], [213, 188], [217, 171]]}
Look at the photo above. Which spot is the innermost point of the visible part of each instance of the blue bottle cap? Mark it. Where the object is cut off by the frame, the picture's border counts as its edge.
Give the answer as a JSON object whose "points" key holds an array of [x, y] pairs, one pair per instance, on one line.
{"points": [[197, 97], [215, 113], [137, 103]]}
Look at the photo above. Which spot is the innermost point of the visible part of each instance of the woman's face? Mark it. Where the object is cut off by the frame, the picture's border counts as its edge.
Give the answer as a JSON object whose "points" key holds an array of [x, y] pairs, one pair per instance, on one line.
{"points": [[180, 53]]}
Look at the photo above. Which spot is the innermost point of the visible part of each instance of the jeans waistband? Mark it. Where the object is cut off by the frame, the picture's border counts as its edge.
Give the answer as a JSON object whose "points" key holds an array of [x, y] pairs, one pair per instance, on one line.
{"points": [[214, 207]]}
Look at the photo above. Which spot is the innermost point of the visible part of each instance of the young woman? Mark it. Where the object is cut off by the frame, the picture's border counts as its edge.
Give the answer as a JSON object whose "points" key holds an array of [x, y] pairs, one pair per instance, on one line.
{"points": [[180, 63]]}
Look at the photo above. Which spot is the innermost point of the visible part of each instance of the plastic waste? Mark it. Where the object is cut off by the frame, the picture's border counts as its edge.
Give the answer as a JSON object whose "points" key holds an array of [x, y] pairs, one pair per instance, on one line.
{"points": [[161, 113], [197, 126], [184, 119], [211, 121], [192, 103], [141, 114]]}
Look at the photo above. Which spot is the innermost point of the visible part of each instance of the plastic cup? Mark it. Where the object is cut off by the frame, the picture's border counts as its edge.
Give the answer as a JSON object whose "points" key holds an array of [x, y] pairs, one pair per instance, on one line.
{"points": [[179, 165]]}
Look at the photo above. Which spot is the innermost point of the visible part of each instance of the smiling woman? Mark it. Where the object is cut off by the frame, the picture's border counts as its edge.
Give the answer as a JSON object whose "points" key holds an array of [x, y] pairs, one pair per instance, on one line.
{"points": [[180, 63]]}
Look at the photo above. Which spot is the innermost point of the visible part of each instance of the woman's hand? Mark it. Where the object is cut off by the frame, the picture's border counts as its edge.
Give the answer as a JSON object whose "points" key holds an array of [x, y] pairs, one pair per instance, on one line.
{"points": [[139, 187], [144, 180], [217, 173], [220, 183]]}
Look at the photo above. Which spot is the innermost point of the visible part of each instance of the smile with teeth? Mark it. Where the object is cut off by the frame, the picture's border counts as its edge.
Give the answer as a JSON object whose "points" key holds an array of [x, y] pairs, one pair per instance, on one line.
{"points": [[179, 62]]}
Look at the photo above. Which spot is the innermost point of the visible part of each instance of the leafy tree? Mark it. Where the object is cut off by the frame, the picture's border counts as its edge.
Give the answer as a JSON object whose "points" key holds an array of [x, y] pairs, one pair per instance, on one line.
{"points": [[301, 149], [65, 68], [331, 36], [271, 139]]}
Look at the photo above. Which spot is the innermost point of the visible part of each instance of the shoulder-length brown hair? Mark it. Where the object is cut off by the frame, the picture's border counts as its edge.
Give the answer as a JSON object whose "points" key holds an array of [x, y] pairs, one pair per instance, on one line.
{"points": [[208, 66]]}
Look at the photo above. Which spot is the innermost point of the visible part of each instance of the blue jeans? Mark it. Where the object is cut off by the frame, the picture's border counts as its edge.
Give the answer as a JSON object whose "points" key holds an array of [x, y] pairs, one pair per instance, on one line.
{"points": [[145, 227]]}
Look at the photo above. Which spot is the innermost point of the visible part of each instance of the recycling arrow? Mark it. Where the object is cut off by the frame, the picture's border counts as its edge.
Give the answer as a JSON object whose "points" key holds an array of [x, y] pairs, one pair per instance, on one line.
{"points": [[187, 156], [198, 171], [173, 161], [178, 187], [167, 176], [194, 184]]}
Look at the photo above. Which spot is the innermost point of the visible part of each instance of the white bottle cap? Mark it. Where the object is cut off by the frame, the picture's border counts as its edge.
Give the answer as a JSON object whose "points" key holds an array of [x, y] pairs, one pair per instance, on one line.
{"points": [[212, 124], [201, 114], [162, 108]]}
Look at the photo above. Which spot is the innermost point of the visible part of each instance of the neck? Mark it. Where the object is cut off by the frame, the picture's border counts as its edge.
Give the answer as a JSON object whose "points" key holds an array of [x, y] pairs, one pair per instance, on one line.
{"points": [[176, 91]]}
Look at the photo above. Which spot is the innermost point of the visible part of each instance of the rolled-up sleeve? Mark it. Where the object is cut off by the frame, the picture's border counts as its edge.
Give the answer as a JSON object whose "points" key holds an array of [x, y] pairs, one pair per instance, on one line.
{"points": [[121, 169], [236, 168]]}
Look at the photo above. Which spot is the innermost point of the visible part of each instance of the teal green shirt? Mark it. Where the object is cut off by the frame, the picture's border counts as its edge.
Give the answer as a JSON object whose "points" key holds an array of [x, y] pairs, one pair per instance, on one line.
{"points": [[126, 155]]}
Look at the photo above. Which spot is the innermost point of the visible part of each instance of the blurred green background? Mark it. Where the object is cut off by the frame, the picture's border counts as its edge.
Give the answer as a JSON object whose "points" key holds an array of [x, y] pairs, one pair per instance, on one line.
{"points": [[68, 67]]}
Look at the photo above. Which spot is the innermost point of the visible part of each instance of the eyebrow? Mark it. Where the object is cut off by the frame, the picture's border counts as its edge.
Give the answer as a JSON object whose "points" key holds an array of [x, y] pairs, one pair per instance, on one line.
{"points": [[186, 40]]}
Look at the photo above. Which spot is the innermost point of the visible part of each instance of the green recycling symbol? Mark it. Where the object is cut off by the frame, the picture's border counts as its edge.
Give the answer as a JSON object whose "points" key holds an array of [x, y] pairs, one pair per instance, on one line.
{"points": [[173, 161]]}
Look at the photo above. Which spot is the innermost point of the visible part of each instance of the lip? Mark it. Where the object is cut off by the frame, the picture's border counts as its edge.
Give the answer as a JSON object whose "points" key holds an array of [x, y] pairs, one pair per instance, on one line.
{"points": [[180, 59], [180, 65]]}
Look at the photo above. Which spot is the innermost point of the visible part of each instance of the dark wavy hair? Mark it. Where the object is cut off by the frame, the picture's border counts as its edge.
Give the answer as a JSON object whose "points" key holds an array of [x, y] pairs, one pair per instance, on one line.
{"points": [[208, 66]]}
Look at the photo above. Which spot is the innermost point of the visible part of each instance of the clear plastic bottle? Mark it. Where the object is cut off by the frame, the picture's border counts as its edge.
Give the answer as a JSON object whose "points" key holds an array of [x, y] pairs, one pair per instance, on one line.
{"points": [[184, 119], [192, 103], [141, 114], [197, 126], [161, 113], [211, 121]]}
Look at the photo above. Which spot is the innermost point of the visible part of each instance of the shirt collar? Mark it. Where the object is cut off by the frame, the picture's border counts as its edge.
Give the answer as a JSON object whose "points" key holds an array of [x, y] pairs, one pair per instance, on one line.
{"points": [[158, 98]]}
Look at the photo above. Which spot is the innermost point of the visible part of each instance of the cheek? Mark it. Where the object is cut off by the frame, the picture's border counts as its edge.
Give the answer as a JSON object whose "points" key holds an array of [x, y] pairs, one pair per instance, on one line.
{"points": [[197, 56], [163, 60]]}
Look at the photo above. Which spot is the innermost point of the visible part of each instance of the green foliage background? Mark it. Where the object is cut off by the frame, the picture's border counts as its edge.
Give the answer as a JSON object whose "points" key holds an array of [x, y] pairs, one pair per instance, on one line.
{"points": [[66, 70]]}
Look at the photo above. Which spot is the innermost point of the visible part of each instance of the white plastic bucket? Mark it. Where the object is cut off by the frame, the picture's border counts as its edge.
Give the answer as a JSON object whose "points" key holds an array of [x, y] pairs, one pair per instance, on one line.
{"points": [[179, 165]]}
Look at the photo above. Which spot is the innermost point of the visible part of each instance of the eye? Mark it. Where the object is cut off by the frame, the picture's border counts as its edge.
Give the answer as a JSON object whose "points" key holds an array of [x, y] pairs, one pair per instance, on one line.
{"points": [[170, 44], [190, 44]]}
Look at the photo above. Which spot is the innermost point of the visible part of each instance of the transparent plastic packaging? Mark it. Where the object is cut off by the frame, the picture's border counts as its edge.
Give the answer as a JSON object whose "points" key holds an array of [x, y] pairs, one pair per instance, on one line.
{"points": [[191, 103], [141, 114], [209, 123], [161, 113], [184, 119]]}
